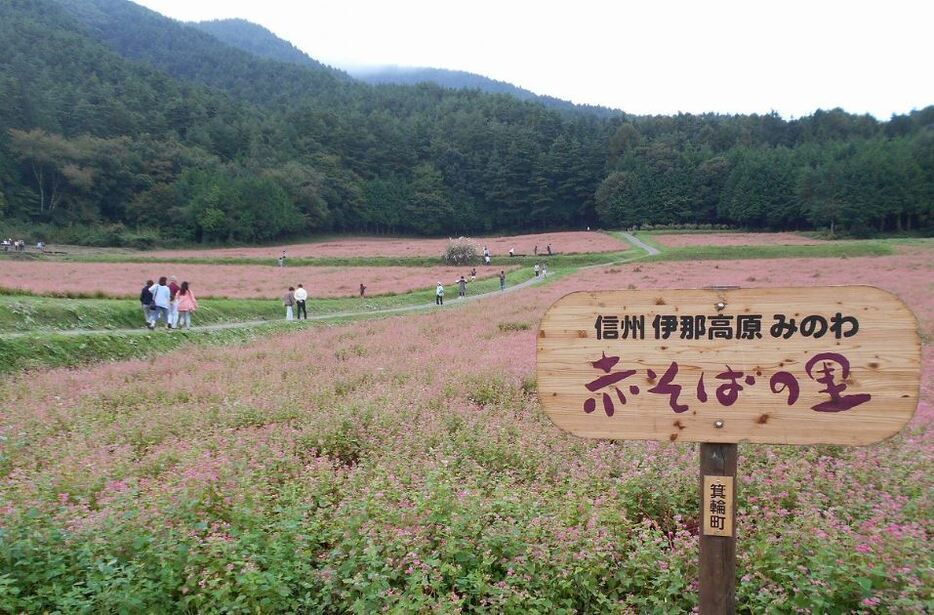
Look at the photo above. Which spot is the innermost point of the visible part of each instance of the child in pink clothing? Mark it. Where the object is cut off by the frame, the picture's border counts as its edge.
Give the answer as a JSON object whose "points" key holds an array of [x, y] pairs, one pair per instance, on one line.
{"points": [[186, 305]]}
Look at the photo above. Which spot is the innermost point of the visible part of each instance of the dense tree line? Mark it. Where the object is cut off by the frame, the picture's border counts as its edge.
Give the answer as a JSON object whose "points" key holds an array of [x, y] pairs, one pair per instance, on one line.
{"points": [[119, 125], [830, 170]]}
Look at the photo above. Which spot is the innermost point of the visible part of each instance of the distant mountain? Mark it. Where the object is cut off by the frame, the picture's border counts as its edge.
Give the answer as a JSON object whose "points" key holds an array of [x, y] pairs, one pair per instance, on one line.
{"points": [[458, 80], [256, 39]]}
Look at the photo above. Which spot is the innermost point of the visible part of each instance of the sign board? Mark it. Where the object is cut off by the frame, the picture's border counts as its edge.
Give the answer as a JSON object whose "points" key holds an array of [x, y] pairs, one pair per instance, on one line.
{"points": [[718, 505], [823, 365]]}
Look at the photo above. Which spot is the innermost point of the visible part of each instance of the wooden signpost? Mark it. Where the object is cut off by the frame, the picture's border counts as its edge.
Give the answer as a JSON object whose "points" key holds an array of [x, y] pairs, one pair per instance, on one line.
{"points": [[823, 365]]}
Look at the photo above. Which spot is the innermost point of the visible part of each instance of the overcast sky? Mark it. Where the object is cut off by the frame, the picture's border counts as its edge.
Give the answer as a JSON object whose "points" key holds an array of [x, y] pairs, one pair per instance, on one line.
{"points": [[651, 57]]}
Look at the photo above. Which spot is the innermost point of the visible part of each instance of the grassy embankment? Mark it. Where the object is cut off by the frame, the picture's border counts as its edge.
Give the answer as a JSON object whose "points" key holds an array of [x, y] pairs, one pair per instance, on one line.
{"points": [[830, 249]]}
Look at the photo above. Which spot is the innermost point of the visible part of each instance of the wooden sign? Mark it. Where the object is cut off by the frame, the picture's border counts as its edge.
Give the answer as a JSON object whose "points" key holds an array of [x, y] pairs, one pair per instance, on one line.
{"points": [[832, 365], [718, 505]]}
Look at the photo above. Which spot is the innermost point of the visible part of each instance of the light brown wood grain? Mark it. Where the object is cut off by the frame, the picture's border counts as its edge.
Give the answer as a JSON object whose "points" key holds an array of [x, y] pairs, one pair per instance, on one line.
{"points": [[884, 356]]}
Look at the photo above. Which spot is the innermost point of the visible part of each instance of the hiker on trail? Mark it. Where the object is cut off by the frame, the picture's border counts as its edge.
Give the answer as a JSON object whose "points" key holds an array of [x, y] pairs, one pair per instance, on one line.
{"points": [[301, 296], [362, 289], [537, 269], [185, 303], [145, 300], [288, 300], [173, 306], [502, 280], [473, 274], [161, 300], [439, 294], [462, 287]]}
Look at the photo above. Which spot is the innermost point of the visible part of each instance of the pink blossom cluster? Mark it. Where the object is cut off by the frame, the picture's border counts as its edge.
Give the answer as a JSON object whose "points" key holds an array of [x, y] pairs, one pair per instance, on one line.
{"points": [[418, 439], [232, 281], [565, 242]]}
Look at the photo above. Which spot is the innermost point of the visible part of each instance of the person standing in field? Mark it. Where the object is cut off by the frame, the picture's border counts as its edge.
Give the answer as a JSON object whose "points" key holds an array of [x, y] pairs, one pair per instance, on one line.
{"points": [[462, 287], [301, 296], [439, 294], [537, 269], [473, 274], [145, 299], [502, 280], [549, 249], [362, 290], [185, 304], [535, 251], [161, 299], [288, 300], [173, 306]]}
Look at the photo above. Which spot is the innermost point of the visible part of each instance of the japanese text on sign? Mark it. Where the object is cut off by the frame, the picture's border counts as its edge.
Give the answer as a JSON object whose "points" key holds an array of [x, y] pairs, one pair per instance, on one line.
{"points": [[824, 368], [723, 326], [718, 505]]}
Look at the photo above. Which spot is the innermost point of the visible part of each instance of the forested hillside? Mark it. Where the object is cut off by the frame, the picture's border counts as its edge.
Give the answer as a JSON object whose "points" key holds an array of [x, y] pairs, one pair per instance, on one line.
{"points": [[255, 39], [118, 125]]}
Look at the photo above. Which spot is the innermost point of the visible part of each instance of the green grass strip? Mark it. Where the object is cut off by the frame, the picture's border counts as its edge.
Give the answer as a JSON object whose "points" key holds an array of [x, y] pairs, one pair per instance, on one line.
{"points": [[830, 250], [555, 260]]}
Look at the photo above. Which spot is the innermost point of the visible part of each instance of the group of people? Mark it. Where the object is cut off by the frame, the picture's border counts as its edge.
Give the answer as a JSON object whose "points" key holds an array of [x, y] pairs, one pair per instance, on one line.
{"points": [[295, 301], [18, 245], [168, 302], [462, 285], [512, 251]]}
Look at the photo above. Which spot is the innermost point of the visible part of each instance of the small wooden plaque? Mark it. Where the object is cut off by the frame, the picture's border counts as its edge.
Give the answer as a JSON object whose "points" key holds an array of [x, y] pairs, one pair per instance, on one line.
{"points": [[821, 365], [718, 506]]}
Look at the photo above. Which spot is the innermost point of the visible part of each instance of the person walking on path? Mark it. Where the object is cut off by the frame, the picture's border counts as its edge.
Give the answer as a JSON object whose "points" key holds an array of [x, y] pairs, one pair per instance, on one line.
{"points": [[439, 294], [145, 300], [288, 300], [502, 280], [462, 287], [301, 295], [185, 303], [537, 270], [173, 306], [161, 299]]}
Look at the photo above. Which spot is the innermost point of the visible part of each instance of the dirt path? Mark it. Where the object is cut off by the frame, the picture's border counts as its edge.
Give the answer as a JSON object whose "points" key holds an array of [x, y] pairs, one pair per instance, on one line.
{"points": [[639, 243]]}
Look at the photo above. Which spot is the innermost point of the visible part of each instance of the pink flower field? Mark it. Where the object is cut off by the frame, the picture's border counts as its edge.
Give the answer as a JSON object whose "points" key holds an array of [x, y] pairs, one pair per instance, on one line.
{"points": [[235, 281], [681, 240], [404, 465], [562, 242]]}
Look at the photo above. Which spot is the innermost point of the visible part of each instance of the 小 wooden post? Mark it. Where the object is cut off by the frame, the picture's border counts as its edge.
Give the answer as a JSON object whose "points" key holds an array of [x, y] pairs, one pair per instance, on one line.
{"points": [[718, 528]]}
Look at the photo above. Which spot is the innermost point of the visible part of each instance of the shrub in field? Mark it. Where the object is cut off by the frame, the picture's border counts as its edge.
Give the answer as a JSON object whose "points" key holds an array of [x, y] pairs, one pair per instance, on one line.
{"points": [[461, 251]]}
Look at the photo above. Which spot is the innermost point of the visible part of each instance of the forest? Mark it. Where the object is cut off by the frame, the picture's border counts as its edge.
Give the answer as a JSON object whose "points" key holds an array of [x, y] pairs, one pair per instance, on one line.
{"points": [[119, 126]]}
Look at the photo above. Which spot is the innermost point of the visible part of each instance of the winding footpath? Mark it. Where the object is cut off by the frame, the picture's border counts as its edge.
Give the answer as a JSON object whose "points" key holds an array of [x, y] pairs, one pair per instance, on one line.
{"points": [[639, 243], [650, 251]]}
